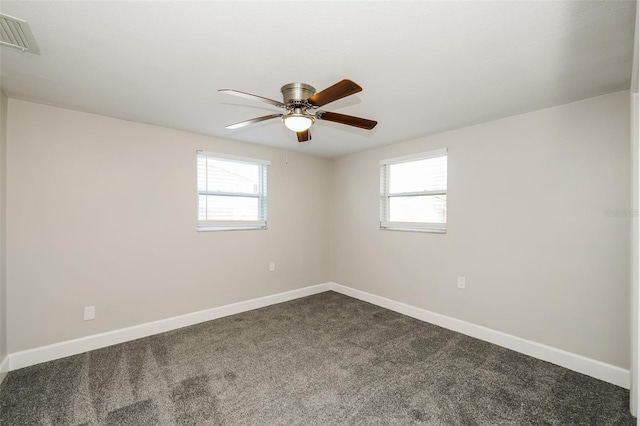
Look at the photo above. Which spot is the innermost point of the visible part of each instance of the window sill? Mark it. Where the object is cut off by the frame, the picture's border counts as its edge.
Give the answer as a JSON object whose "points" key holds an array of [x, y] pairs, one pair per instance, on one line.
{"points": [[426, 230], [230, 228]]}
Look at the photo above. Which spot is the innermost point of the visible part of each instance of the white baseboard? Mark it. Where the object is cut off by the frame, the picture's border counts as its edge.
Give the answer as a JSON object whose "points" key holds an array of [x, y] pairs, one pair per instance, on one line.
{"points": [[4, 368], [600, 370], [29, 357]]}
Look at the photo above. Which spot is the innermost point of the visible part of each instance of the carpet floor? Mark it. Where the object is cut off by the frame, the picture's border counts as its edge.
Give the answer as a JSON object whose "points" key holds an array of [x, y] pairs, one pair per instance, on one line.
{"points": [[326, 359]]}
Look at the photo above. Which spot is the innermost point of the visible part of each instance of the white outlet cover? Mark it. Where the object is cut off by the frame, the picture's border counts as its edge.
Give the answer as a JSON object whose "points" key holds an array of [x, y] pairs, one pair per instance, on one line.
{"points": [[89, 313], [272, 266], [462, 283]]}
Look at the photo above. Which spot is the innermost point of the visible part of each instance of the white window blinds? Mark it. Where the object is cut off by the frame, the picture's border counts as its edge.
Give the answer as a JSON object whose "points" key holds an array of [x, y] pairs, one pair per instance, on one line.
{"points": [[232, 192], [413, 192]]}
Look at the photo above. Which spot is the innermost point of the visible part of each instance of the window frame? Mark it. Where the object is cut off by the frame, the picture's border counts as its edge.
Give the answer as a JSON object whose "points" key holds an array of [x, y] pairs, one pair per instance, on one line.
{"points": [[386, 195], [234, 225]]}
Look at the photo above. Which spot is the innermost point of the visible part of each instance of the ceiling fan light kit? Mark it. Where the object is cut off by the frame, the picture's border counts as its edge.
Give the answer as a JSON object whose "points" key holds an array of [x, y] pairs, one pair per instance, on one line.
{"points": [[297, 120], [300, 100]]}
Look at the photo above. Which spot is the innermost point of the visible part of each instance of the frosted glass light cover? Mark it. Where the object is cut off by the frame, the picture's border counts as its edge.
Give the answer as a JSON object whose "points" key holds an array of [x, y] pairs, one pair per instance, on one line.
{"points": [[297, 123]]}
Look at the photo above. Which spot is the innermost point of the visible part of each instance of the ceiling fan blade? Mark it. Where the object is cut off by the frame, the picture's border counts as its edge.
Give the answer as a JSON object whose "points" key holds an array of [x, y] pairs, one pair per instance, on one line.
{"points": [[252, 97], [349, 120], [304, 135], [252, 121], [333, 93]]}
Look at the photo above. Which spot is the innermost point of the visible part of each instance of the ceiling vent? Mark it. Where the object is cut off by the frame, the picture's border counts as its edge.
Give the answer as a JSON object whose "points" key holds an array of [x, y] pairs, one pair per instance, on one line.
{"points": [[16, 33]]}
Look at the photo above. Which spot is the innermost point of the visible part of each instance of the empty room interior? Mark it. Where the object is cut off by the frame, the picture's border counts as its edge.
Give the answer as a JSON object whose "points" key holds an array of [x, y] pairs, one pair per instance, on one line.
{"points": [[319, 213]]}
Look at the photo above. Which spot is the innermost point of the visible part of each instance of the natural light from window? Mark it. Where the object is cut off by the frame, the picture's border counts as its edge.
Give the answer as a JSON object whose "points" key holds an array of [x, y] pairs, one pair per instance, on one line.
{"points": [[231, 193], [414, 192]]}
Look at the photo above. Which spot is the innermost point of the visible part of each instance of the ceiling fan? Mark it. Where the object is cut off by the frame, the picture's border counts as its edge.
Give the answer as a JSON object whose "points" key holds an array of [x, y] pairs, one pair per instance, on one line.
{"points": [[301, 102]]}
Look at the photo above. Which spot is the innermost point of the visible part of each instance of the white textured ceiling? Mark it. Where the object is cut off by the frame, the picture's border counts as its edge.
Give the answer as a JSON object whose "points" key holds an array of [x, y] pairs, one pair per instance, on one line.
{"points": [[425, 67]]}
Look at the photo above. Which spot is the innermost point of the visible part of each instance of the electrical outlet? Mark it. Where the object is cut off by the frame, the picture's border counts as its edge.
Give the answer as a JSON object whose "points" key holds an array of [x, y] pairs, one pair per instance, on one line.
{"points": [[272, 266], [462, 283], [89, 313]]}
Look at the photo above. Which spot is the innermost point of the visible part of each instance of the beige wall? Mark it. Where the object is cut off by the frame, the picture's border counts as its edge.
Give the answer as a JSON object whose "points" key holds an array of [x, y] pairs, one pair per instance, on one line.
{"points": [[103, 212], [527, 228], [635, 204], [3, 269]]}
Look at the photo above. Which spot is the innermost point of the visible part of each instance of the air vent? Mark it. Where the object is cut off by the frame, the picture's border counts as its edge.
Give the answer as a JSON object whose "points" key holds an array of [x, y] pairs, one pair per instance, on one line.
{"points": [[16, 33]]}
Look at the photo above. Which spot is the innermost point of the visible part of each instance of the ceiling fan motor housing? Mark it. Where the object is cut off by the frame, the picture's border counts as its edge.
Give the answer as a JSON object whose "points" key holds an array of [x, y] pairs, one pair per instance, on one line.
{"points": [[296, 93]]}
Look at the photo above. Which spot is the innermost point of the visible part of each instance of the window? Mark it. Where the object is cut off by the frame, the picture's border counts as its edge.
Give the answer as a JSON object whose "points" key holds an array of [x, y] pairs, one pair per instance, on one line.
{"points": [[413, 192], [232, 192]]}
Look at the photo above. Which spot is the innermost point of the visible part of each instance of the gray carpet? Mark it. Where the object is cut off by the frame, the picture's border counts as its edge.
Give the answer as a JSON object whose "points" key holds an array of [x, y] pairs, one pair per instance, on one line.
{"points": [[322, 360]]}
